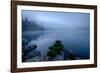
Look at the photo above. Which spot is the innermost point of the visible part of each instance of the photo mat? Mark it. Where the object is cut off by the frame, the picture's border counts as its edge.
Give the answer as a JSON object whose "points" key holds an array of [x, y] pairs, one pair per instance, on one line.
{"points": [[59, 33]]}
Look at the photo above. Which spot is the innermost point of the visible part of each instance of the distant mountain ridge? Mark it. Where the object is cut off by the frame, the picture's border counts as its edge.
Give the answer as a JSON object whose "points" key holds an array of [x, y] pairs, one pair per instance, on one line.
{"points": [[30, 25]]}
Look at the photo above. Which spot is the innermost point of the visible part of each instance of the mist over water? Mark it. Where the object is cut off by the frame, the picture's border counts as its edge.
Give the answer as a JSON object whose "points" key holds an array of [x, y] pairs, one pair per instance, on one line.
{"points": [[44, 28], [76, 41]]}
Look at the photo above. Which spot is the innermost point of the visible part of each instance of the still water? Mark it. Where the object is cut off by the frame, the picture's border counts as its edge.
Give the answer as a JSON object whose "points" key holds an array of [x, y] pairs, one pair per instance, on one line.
{"points": [[74, 41]]}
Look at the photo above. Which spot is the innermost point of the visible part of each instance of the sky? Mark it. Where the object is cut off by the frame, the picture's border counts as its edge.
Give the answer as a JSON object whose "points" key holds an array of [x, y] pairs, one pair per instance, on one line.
{"points": [[65, 20]]}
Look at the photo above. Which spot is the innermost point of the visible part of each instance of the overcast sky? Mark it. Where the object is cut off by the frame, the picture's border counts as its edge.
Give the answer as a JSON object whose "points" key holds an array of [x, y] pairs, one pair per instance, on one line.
{"points": [[67, 20]]}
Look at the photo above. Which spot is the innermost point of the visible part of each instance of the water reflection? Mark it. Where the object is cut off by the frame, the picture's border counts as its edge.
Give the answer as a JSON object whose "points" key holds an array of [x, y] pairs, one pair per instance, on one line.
{"points": [[76, 44]]}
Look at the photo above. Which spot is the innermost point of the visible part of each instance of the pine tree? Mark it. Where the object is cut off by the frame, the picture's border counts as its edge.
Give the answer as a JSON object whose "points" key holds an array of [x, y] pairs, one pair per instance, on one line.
{"points": [[55, 49]]}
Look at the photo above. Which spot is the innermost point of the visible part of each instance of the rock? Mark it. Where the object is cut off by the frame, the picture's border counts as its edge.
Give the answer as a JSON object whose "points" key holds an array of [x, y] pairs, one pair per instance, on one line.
{"points": [[32, 47], [66, 54], [32, 55], [58, 57], [35, 59], [35, 53], [24, 44], [24, 41], [45, 58]]}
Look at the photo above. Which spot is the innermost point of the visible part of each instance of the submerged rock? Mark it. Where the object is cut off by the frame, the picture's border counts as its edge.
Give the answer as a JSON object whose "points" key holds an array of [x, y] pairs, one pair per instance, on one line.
{"points": [[35, 59], [32, 47], [24, 44], [70, 55], [29, 52], [35, 53], [33, 56], [24, 41], [58, 57]]}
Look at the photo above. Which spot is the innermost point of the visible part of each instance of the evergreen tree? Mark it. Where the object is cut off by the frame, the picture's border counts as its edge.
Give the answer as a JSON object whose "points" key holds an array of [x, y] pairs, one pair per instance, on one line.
{"points": [[55, 49]]}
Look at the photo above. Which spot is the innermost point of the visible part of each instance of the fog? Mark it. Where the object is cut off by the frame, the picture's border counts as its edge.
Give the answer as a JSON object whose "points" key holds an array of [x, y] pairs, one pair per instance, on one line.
{"points": [[61, 20], [44, 29]]}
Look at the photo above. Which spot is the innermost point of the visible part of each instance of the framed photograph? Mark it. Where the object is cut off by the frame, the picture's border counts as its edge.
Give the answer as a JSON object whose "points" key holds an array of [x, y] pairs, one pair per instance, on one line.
{"points": [[52, 36]]}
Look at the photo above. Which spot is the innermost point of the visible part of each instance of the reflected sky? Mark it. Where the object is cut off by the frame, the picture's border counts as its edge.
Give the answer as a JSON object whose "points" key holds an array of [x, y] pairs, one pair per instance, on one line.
{"points": [[65, 20]]}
